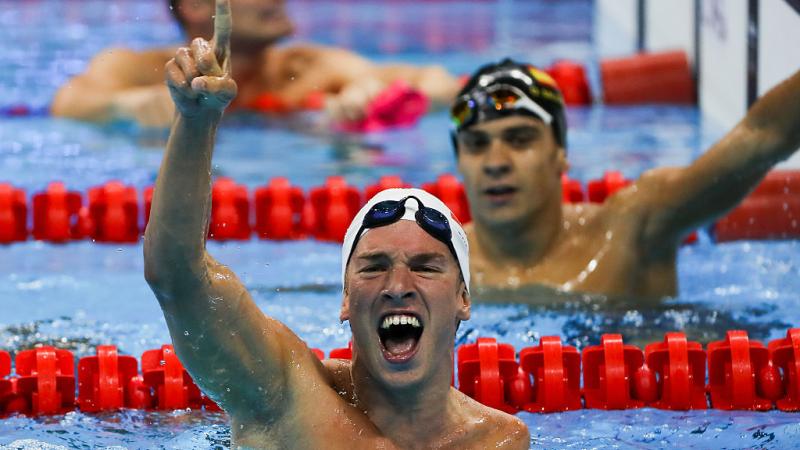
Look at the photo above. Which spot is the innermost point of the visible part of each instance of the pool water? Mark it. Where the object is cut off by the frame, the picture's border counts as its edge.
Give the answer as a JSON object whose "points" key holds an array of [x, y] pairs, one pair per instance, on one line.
{"points": [[83, 294]]}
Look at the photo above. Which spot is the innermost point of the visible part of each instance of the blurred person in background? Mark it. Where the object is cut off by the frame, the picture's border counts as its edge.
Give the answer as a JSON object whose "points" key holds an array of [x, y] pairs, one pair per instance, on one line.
{"points": [[125, 85], [510, 136]]}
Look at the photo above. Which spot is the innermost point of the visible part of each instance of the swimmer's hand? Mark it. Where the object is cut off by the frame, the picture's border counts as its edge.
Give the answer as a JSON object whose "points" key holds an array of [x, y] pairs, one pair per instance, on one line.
{"points": [[351, 104], [199, 76]]}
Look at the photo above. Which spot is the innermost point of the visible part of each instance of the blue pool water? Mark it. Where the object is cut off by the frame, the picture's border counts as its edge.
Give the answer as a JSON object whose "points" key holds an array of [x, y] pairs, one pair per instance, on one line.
{"points": [[79, 295]]}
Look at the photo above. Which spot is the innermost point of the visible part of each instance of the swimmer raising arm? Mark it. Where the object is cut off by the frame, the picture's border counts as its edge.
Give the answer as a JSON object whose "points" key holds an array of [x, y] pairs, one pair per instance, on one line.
{"points": [[242, 358], [676, 200], [276, 392]]}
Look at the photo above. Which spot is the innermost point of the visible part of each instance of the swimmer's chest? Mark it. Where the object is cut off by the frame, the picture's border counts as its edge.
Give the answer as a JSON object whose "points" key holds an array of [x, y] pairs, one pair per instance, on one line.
{"points": [[590, 258]]}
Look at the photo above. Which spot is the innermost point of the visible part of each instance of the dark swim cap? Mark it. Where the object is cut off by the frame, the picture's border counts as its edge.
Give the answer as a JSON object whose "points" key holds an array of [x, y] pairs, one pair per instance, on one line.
{"points": [[509, 88]]}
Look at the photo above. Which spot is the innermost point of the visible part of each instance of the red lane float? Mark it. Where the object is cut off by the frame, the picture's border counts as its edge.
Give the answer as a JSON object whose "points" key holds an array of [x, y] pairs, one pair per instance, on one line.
{"points": [[279, 210], [342, 353], [601, 189], [171, 384], [572, 81], [571, 190], [385, 182], [680, 368], [13, 214], [761, 217], [273, 103], [114, 212], [740, 374], [556, 371], [333, 207], [771, 211], [743, 375], [648, 78], [608, 374], [7, 386], [230, 211], [451, 192], [46, 380], [318, 353], [55, 214], [486, 370], [778, 183], [785, 355], [106, 381]]}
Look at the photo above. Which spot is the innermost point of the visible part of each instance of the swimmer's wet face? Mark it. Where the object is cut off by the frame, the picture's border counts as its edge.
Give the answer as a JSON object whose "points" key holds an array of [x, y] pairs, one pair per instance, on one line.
{"points": [[511, 166], [258, 22], [399, 273]]}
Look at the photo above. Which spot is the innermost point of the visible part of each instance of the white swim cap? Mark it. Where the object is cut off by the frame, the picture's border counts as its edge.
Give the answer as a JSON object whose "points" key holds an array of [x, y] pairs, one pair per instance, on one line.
{"points": [[459, 238]]}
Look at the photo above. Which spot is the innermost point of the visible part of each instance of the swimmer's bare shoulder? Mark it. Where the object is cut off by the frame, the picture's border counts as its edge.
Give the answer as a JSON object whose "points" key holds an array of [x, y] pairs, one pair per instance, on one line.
{"points": [[90, 95], [489, 428], [114, 67]]}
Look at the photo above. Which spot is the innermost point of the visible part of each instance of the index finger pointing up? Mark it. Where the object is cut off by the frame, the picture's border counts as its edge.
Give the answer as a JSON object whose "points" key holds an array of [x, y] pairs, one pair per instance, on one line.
{"points": [[222, 30]]}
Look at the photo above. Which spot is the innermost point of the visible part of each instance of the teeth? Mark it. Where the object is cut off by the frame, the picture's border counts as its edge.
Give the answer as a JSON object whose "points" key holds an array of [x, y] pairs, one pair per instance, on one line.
{"points": [[400, 319]]}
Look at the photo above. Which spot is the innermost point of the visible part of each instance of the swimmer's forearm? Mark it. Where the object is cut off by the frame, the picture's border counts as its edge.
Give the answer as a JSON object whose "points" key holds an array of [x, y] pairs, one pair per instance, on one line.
{"points": [[777, 113], [682, 199], [175, 235]]}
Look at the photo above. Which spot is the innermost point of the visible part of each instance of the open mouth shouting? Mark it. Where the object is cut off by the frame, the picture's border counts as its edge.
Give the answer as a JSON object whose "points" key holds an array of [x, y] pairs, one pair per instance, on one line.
{"points": [[399, 335]]}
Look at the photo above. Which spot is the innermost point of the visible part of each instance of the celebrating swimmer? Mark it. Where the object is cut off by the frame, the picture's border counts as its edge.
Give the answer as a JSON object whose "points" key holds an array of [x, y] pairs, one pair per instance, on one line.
{"points": [[405, 269], [125, 85], [510, 136]]}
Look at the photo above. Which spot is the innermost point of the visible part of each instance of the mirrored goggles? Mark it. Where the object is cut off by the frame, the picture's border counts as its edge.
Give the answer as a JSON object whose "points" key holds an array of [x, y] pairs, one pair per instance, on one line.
{"points": [[498, 97]]}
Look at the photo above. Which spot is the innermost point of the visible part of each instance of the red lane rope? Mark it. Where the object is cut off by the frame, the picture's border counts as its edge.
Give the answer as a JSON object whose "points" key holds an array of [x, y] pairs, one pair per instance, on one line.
{"points": [[742, 375], [278, 210]]}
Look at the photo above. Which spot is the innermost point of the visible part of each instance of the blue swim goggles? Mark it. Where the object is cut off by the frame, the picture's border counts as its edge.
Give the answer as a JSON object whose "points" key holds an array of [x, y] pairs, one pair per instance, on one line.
{"points": [[388, 212]]}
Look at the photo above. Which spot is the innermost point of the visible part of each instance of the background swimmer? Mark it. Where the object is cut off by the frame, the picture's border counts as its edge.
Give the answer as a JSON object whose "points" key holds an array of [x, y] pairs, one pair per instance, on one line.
{"points": [[510, 142], [404, 297], [121, 84]]}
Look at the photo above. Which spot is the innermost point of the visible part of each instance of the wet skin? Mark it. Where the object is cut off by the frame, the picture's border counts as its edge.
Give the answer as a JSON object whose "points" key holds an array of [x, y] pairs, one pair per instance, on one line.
{"points": [[512, 172], [522, 234], [396, 392]]}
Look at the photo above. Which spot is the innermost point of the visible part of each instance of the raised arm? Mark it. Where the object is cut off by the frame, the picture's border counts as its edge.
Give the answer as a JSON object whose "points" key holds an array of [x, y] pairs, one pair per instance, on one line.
{"points": [[679, 199], [235, 353]]}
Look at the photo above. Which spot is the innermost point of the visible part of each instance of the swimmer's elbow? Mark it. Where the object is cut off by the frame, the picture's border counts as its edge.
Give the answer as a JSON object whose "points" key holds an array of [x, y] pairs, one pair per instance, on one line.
{"points": [[63, 102], [171, 261], [167, 271], [74, 101]]}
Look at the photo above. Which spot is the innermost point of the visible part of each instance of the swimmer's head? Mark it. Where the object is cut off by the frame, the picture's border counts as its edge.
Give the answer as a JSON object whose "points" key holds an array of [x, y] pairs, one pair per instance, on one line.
{"points": [[506, 89], [392, 205], [406, 270], [256, 22]]}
